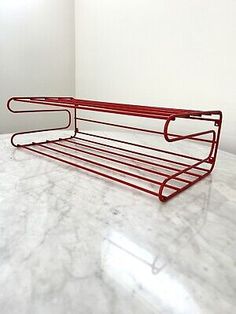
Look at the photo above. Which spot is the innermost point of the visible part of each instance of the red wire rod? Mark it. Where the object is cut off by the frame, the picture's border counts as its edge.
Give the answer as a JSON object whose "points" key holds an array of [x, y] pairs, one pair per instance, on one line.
{"points": [[93, 171], [88, 108], [120, 162], [135, 110], [142, 154], [71, 102], [121, 155], [141, 146], [140, 129], [109, 105], [108, 167]]}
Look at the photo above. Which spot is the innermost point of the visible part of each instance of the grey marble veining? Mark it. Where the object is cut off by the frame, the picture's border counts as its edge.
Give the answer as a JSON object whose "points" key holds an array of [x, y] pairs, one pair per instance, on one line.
{"points": [[73, 243]]}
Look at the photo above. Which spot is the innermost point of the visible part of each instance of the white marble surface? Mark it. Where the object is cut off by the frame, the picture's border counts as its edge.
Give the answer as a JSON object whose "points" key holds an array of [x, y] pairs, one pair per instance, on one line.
{"points": [[73, 243]]}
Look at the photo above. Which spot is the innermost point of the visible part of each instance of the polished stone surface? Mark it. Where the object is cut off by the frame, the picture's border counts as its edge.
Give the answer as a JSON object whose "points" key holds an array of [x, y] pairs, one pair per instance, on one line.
{"points": [[72, 243]]}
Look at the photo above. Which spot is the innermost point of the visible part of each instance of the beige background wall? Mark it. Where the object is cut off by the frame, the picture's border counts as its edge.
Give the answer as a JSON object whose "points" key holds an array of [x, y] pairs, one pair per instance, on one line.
{"points": [[174, 53], [37, 55]]}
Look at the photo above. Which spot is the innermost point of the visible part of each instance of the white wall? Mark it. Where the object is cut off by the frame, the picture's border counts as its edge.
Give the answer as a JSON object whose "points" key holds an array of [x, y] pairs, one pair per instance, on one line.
{"points": [[174, 53], [37, 54]]}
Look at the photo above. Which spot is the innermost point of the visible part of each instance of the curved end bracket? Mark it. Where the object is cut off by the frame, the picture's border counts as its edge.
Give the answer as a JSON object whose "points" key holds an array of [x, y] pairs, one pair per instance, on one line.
{"points": [[21, 99], [210, 159]]}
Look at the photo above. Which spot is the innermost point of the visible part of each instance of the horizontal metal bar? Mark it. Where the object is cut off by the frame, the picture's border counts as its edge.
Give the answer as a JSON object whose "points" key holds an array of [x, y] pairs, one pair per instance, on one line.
{"points": [[121, 107], [131, 107], [203, 118], [143, 146], [93, 171], [146, 155], [129, 151], [118, 161], [127, 107], [140, 129], [70, 102], [108, 167], [133, 110], [75, 106], [119, 125], [122, 155]]}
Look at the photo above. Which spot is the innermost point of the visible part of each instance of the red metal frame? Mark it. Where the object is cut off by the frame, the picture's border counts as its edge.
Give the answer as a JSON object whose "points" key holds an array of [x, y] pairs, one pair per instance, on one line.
{"points": [[167, 173]]}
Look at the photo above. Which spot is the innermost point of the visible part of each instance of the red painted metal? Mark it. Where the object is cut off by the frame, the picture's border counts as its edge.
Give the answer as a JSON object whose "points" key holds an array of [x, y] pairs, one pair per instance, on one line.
{"points": [[159, 172]]}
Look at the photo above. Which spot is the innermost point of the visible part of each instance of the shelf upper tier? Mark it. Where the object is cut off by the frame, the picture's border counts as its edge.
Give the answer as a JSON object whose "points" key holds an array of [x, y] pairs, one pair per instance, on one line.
{"points": [[116, 108]]}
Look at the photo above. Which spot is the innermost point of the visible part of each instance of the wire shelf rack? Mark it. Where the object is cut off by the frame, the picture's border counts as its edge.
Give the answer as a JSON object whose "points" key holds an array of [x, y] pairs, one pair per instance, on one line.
{"points": [[161, 171]]}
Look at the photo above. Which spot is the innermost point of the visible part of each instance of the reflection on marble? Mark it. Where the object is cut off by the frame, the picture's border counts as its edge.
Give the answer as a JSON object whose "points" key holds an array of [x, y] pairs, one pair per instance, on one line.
{"points": [[73, 243]]}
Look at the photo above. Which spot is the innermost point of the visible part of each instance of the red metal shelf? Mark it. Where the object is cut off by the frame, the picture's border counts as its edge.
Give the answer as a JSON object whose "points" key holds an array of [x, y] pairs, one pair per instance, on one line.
{"points": [[160, 172]]}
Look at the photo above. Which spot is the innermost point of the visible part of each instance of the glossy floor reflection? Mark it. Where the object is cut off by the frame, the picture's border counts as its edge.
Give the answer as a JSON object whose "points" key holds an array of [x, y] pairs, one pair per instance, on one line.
{"points": [[73, 243], [136, 271]]}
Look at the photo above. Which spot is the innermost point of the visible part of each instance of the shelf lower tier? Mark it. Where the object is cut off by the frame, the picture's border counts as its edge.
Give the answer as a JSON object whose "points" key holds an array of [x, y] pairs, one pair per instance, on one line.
{"points": [[163, 174]]}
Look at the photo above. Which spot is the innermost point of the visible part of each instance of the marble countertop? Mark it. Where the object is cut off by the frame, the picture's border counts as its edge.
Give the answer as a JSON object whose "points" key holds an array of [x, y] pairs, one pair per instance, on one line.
{"points": [[72, 243]]}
